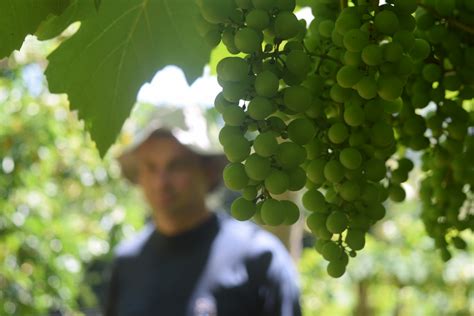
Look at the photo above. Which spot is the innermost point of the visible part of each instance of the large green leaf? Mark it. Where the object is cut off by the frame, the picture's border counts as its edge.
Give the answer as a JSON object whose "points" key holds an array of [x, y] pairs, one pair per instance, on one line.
{"points": [[103, 65], [19, 18], [78, 10]]}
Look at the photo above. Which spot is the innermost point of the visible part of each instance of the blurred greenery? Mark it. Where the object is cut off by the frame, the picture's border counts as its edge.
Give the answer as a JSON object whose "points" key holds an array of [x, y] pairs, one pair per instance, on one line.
{"points": [[398, 273], [63, 209]]}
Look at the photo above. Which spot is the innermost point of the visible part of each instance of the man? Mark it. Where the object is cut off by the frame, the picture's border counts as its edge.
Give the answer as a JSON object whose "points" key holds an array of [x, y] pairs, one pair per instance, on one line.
{"points": [[191, 261]]}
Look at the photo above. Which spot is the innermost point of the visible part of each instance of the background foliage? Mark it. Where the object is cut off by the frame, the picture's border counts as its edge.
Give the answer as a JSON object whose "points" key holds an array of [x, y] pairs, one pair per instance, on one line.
{"points": [[64, 208]]}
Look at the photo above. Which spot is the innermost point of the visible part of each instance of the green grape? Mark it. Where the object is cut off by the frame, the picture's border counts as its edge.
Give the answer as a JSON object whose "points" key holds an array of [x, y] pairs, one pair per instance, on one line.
{"points": [[326, 27], [297, 179], [452, 82], [234, 91], [202, 25], [250, 192], [352, 58], [376, 211], [228, 133], [316, 222], [301, 130], [319, 244], [290, 155], [431, 72], [354, 115], [315, 171], [257, 167], [459, 243], [232, 69], [392, 52], [213, 37], [285, 5], [297, 98], [371, 193], [220, 103], [314, 201], [355, 40], [405, 38], [372, 55], [386, 22], [399, 176], [263, 4], [331, 251], [333, 171], [276, 124], [357, 138], [266, 84], [235, 177], [292, 212], [259, 108], [277, 182], [396, 193], [338, 93], [348, 76], [265, 144], [336, 268], [367, 87], [349, 190], [338, 133], [407, 22], [217, 11], [242, 209], [421, 49], [257, 19], [298, 62], [405, 66], [228, 39], [445, 7], [390, 87], [381, 134], [337, 222], [420, 100], [248, 40], [406, 6], [375, 169], [272, 212], [347, 20], [315, 148], [286, 25], [405, 164], [350, 158], [355, 239], [238, 150], [233, 115], [424, 20]]}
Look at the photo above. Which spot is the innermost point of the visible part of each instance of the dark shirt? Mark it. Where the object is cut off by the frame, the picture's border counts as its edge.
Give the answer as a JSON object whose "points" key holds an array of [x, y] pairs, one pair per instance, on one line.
{"points": [[221, 268]]}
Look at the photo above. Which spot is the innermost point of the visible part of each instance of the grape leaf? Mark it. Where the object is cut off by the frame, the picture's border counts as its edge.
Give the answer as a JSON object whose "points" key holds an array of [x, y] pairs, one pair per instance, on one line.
{"points": [[78, 10], [104, 64], [19, 18]]}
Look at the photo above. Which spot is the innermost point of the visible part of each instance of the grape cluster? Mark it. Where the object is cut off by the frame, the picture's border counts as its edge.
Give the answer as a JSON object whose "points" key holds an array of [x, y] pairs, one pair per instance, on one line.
{"points": [[330, 107]]}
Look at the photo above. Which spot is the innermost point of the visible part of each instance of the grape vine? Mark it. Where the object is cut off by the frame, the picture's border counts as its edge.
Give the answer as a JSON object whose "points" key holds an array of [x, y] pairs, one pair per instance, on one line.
{"points": [[332, 107]]}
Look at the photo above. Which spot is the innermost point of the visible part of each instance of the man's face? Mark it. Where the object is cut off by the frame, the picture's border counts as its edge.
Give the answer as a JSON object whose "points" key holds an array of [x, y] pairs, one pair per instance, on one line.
{"points": [[171, 176]]}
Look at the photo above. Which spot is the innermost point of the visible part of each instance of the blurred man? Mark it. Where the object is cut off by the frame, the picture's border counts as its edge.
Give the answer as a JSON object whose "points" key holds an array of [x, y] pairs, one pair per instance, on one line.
{"points": [[190, 260]]}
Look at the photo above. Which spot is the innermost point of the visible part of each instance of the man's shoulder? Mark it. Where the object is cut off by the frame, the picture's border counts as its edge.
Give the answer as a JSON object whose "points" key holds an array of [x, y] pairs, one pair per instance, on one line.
{"points": [[249, 234], [133, 246]]}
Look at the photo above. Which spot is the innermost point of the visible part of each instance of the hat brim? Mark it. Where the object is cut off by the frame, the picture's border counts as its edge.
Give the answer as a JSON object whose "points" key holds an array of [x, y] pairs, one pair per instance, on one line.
{"points": [[128, 160]]}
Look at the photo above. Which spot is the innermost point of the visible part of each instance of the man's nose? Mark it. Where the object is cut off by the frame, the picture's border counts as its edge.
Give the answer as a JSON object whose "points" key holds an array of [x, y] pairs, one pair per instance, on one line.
{"points": [[161, 178]]}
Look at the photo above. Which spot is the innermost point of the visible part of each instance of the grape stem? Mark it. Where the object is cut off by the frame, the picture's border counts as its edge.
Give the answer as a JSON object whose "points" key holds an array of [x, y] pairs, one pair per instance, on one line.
{"points": [[343, 4], [453, 22]]}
